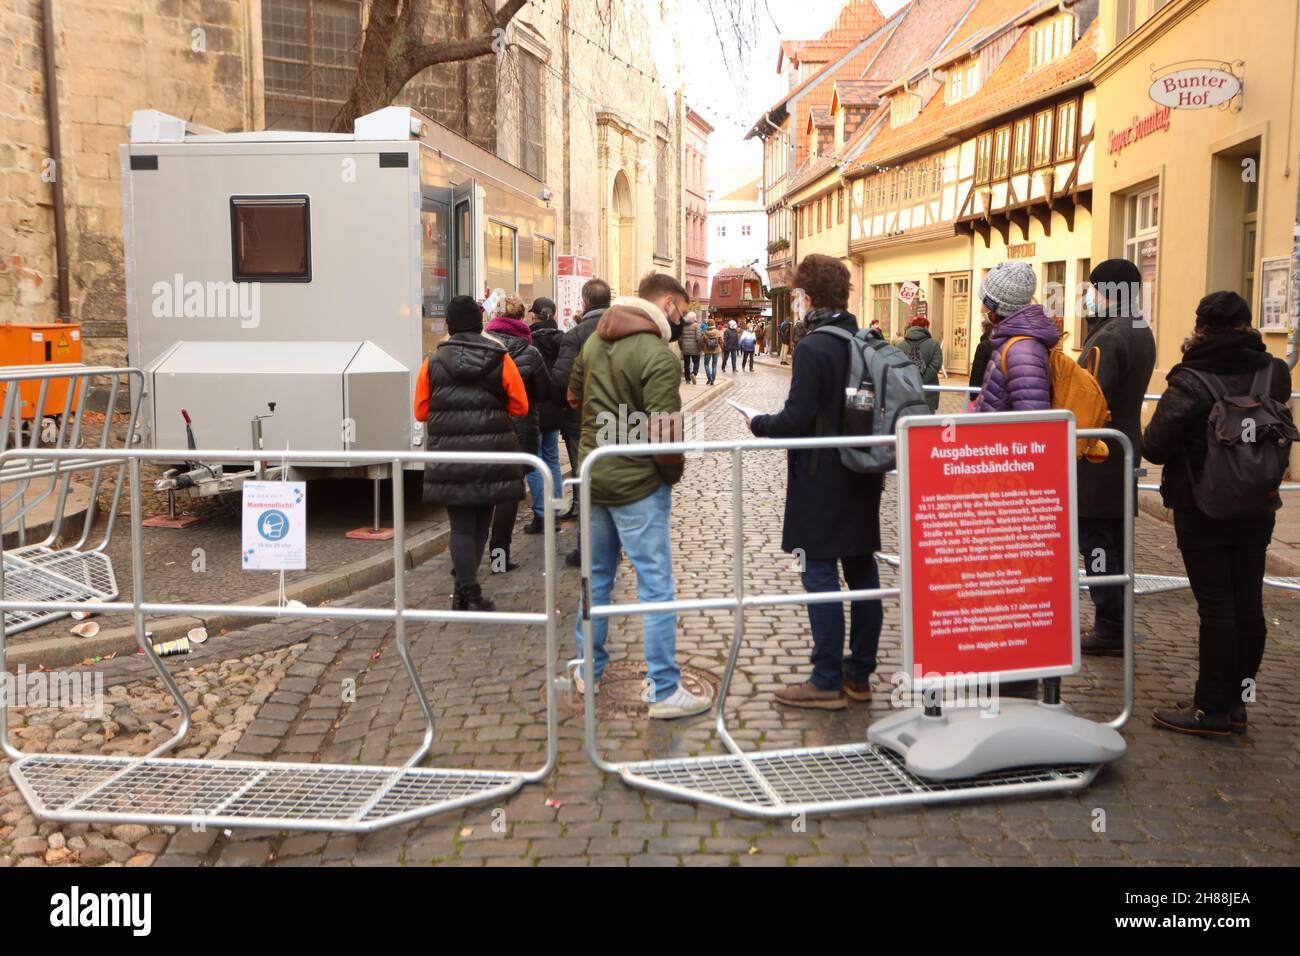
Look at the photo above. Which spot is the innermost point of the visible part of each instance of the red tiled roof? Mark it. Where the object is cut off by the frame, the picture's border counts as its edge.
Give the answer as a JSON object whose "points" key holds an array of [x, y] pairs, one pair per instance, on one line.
{"points": [[854, 93], [820, 92], [986, 19], [818, 51], [856, 20], [1011, 84]]}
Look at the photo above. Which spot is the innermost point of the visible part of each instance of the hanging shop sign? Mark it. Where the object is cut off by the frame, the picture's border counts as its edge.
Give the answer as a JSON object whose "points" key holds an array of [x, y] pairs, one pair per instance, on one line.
{"points": [[1195, 85]]}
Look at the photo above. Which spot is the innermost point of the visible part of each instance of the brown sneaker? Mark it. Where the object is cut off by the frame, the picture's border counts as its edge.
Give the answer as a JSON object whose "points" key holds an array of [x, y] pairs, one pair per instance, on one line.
{"points": [[806, 695], [857, 690]]}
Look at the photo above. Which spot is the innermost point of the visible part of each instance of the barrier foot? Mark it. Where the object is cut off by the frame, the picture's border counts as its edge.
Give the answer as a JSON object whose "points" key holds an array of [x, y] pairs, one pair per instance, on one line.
{"points": [[968, 741], [370, 534], [164, 521]]}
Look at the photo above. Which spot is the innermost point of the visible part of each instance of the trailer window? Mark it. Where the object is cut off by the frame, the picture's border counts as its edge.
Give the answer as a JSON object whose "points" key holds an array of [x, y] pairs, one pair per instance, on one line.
{"points": [[501, 272], [270, 238]]}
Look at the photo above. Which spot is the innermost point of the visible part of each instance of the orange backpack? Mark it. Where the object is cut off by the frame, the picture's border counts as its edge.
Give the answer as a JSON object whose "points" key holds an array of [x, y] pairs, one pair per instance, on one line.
{"points": [[1075, 389]]}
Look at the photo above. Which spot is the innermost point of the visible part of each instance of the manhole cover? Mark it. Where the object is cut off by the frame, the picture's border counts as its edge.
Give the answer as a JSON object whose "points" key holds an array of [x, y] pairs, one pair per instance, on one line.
{"points": [[621, 690]]}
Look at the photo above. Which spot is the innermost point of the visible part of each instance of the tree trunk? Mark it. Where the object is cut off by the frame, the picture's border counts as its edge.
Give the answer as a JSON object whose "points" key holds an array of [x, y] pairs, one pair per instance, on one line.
{"points": [[394, 50]]}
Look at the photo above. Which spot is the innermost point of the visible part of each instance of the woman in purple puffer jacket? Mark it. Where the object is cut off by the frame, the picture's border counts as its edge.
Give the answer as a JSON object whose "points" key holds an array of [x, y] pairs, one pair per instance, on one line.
{"points": [[1026, 383]]}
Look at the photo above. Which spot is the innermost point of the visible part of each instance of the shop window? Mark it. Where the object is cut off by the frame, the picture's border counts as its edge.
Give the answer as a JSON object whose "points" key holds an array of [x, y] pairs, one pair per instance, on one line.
{"points": [[1066, 117], [1001, 152], [1080, 305], [543, 267], [983, 157], [882, 302], [1043, 138], [501, 262], [270, 238], [1020, 149], [1054, 290]]}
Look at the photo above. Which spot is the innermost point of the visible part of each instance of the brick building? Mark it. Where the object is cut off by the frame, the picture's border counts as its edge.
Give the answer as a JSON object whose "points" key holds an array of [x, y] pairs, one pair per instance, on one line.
{"points": [[574, 99]]}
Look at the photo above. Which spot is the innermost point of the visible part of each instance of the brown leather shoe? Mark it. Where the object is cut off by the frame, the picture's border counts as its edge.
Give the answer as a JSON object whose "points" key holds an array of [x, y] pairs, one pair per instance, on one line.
{"points": [[858, 691], [807, 695]]}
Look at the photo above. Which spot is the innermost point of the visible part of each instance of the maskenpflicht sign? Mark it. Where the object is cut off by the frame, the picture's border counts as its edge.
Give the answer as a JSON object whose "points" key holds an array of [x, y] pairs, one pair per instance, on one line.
{"points": [[275, 526], [1182, 87]]}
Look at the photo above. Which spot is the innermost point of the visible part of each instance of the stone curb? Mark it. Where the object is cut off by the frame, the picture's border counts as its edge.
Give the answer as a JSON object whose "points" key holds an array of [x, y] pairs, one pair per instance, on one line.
{"points": [[315, 590]]}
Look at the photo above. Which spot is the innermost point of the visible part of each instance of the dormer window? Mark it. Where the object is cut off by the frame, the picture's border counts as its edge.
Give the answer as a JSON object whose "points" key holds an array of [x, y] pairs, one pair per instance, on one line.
{"points": [[963, 80], [903, 108], [1051, 40]]}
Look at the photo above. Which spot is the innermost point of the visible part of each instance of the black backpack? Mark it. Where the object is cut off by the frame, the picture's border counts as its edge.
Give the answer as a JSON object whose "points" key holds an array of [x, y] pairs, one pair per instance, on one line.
{"points": [[1247, 449]]}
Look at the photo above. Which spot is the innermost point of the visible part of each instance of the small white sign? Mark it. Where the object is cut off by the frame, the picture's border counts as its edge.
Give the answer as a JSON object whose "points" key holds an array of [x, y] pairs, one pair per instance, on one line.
{"points": [[275, 526], [1194, 89], [908, 290]]}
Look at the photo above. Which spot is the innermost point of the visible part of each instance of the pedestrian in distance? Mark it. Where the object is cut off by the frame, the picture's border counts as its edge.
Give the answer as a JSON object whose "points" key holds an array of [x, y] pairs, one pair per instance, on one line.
{"points": [[730, 345], [627, 367], [983, 350], [510, 331], [712, 346], [595, 300], [1223, 516], [1120, 352], [926, 354], [797, 333], [832, 514], [783, 332], [690, 348], [760, 338], [546, 339], [467, 392], [748, 342], [1018, 377]]}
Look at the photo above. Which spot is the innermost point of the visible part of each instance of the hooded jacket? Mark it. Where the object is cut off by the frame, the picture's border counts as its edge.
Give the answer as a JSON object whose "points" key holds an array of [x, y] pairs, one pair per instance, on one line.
{"points": [[546, 339], [570, 346], [918, 342], [469, 390], [517, 339], [1175, 437], [626, 381], [689, 343], [1026, 385]]}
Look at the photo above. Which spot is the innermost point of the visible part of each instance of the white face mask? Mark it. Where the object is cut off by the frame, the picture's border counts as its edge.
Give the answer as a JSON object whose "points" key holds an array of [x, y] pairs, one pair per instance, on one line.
{"points": [[1090, 301]]}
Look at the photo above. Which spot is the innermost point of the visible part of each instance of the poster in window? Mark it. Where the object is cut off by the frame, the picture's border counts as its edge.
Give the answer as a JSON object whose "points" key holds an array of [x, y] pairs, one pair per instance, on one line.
{"points": [[1273, 295]]}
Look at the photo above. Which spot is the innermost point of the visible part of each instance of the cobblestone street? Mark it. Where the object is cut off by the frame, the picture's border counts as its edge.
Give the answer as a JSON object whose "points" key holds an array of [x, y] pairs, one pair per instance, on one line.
{"points": [[274, 691]]}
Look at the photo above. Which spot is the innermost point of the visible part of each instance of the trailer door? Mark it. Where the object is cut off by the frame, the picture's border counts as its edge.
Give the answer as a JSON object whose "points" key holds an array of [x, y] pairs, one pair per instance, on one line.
{"points": [[467, 227]]}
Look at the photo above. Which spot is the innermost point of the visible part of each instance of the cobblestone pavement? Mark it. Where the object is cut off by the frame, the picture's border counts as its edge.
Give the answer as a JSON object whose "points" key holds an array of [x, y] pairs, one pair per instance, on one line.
{"points": [[1171, 799]]}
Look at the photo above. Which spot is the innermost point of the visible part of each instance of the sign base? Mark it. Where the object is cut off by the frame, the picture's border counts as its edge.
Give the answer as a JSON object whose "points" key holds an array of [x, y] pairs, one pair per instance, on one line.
{"points": [[962, 742], [370, 534], [180, 521]]}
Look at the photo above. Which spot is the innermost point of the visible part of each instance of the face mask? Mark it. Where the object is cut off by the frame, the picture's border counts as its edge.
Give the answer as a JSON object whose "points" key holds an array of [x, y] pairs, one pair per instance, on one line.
{"points": [[1090, 301]]}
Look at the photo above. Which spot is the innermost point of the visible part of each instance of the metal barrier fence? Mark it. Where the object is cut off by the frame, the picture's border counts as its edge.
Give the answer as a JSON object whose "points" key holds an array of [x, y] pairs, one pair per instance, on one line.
{"points": [[156, 789], [790, 782], [47, 570]]}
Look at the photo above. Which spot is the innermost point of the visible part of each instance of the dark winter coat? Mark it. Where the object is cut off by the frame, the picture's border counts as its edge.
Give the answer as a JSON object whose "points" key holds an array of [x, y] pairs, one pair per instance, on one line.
{"points": [[546, 339], [830, 512], [1026, 386], [1175, 437], [570, 346], [537, 382], [1121, 352], [730, 340], [980, 363], [467, 412], [917, 342]]}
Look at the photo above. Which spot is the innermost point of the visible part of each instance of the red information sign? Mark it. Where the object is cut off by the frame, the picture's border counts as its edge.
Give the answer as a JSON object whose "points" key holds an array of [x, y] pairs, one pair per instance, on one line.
{"points": [[988, 545]]}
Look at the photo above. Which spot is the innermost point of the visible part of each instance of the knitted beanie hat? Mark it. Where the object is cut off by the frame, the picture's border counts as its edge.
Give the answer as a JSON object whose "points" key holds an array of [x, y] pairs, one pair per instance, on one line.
{"points": [[1008, 287], [464, 315]]}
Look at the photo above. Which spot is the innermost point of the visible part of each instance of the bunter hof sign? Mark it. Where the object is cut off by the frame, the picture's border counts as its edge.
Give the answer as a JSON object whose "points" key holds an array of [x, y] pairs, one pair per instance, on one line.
{"points": [[1194, 86]]}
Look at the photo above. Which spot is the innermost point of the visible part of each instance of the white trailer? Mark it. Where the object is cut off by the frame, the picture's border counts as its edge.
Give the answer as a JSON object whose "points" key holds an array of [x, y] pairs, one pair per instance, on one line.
{"points": [[288, 284]]}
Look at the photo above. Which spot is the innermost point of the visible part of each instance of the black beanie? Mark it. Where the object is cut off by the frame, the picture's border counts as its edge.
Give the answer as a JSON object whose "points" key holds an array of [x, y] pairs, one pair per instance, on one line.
{"points": [[1115, 270], [464, 315], [1223, 310], [1119, 288]]}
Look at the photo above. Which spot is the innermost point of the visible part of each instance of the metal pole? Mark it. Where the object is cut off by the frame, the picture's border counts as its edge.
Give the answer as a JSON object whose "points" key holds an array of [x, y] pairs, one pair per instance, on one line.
{"points": [[1130, 508], [375, 481], [399, 605]]}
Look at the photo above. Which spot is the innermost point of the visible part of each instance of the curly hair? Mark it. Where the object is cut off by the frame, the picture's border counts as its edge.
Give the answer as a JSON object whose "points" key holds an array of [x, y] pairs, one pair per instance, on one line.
{"points": [[825, 279], [513, 306]]}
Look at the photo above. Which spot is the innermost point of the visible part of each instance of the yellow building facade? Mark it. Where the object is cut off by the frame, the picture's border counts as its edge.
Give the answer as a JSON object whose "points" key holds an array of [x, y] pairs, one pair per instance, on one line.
{"points": [[1198, 164]]}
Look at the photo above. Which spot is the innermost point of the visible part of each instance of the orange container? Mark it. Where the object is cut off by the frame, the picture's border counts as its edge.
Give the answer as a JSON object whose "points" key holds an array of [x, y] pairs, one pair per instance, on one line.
{"points": [[54, 344]]}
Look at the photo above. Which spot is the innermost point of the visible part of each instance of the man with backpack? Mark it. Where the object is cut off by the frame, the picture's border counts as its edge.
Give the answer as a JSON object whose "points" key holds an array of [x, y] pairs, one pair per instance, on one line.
{"points": [[926, 354], [711, 342], [1120, 352], [1223, 433], [832, 513]]}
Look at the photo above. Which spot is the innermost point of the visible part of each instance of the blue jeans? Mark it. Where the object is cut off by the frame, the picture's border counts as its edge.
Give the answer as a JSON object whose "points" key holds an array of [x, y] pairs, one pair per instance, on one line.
{"points": [[711, 366], [641, 528], [830, 666], [548, 451]]}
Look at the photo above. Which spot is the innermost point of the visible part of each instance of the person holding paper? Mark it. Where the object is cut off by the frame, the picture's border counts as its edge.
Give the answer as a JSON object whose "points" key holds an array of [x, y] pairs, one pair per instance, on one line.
{"points": [[832, 515]]}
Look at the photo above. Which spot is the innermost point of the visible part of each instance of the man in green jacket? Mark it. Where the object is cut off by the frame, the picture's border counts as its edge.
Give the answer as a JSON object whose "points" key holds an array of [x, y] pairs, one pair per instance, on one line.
{"points": [[626, 380]]}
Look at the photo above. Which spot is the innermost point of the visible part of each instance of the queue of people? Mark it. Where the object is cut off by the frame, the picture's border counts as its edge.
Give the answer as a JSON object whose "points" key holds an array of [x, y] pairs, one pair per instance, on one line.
{"points": [[514, 385]]}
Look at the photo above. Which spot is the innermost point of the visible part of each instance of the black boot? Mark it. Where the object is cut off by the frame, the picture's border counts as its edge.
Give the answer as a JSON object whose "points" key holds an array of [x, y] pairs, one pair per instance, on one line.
{"points": [[536, 526], [1193, 720], [1236, 715], [458, 599], [1102, 644], [499, 567], [475, 601], [573, 559]]}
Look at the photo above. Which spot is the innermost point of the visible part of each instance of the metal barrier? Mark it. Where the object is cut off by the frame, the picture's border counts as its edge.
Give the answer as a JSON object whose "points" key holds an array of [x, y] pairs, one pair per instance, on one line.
{"points": [[790, 782], [45, 571], [156, 789]]}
